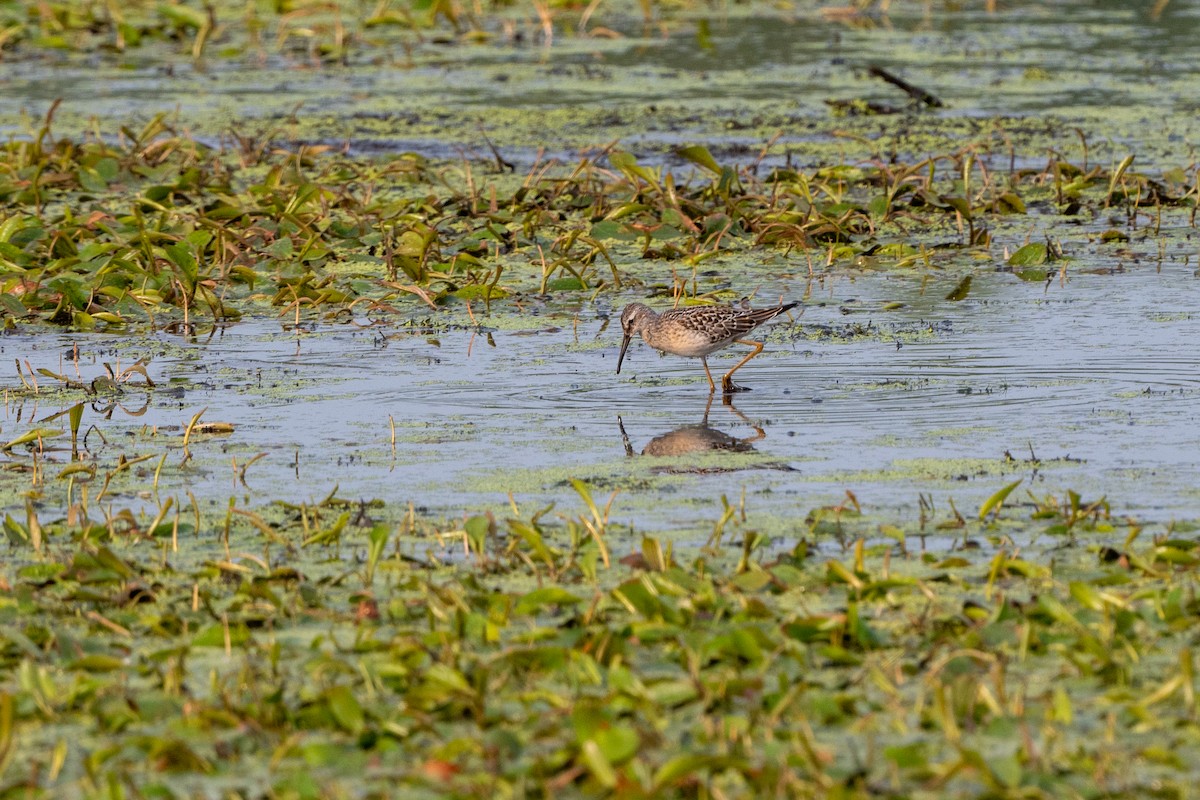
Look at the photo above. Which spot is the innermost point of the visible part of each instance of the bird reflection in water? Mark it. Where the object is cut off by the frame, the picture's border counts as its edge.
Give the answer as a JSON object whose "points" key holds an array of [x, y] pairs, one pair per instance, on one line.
{"points": [[699, 438]]}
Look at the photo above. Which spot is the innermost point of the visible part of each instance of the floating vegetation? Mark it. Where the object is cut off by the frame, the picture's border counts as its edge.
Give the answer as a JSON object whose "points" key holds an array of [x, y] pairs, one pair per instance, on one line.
{"points": [[102, 234], [334, 648]]}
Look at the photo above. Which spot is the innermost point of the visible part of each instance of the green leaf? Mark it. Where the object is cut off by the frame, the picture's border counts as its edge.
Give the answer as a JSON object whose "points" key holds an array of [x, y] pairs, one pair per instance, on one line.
{"points": [[345, 708], [997, 500], [565, 285], [1053, 608], [627, 164], [686, 766], [91, 180], [593, 758], [534, 539], [1119, 172], [637, 598], [33, 436], [1086, 595], [107, 168], [448, 677], [1009, 202], [699, 155], [752, 581], [39, 573], [477, 531], [546, 596], [97, 663], [672, 693], [13, 305], [618, 743], [1061, 707], [958, 204], [612, 229], [1031, 255], [377, 539], [72, 289], [214, 636], [913, 754], [181, 256], [182, 15], [1007, 770], [75, 416], [961, 291]]}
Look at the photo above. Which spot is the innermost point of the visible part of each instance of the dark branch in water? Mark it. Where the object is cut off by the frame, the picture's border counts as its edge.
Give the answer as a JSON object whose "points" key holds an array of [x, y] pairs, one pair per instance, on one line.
{"points": [[501, 164], [915, 92]]}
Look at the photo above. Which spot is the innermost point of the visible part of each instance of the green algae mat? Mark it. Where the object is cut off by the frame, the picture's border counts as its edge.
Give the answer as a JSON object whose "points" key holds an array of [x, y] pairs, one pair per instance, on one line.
{"points": [[316, 480]]}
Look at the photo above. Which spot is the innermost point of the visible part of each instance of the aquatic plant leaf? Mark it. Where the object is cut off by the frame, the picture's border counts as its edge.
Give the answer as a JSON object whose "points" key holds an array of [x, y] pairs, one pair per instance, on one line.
{"points": [[34, 435], [181, 256], [97, 663], [214, 635], [597, 764], [959, 204], [997, 500], [477, 292], [1119, 173], [908, 756], [72, 290], [534, 539], [13, 306], [628, 164], [1086, 595], [476, 528], [1010, 203], [16, 532], [346, 708], [691, 767], [183, 15], [377, 540], [546, 596], [1031, 255], [566, 285], [961, 290], [1007, 769], [91, 180], [618, 743], [700, 156], [672, 694], [609, 229], [637, 598], [41, 573]]}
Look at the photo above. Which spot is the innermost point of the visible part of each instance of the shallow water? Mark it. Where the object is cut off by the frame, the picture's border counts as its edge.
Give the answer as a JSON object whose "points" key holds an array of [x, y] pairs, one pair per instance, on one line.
{"points": [[1096, 379]]}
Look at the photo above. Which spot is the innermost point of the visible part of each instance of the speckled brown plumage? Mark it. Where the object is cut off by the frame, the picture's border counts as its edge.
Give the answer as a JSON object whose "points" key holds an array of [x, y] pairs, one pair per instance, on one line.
{"points": [[697, 332]]}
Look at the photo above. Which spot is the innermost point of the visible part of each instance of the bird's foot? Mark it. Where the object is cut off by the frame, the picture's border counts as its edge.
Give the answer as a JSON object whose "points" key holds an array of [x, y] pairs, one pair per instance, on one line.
{"points": [[729, 387]]}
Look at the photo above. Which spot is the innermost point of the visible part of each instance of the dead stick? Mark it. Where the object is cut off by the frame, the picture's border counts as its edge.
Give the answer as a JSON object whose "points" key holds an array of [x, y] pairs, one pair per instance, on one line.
{"points": [[915, 92]]}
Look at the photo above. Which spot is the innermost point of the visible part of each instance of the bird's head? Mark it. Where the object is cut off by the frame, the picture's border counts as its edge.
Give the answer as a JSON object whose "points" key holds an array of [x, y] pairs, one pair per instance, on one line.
{"points": [[633, 321]]}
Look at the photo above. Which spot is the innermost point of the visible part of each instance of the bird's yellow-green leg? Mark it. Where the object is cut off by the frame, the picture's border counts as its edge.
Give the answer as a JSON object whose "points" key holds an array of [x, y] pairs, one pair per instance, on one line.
{"points": [[712, 387], [727, 381]]}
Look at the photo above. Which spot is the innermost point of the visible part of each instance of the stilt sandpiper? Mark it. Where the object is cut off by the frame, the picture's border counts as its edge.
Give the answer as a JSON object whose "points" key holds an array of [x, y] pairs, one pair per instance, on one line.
{"points": [[697, 332]]}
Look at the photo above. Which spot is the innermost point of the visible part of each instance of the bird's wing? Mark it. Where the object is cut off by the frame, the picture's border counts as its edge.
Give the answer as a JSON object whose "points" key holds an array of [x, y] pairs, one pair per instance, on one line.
{"points": [[722, 322], [744, 321]]}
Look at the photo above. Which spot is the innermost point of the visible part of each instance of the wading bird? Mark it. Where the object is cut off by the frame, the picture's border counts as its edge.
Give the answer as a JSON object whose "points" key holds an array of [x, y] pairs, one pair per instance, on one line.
{"points": [[697, 332]]}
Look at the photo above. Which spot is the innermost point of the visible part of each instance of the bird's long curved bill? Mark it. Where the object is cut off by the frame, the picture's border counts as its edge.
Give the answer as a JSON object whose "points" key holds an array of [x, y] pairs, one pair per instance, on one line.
{"points": [[624, 346]]}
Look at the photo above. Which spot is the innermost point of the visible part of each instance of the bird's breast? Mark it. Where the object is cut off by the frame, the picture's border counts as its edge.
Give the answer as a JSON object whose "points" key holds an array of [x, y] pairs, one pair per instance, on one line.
{"points": [[687, 343]]}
